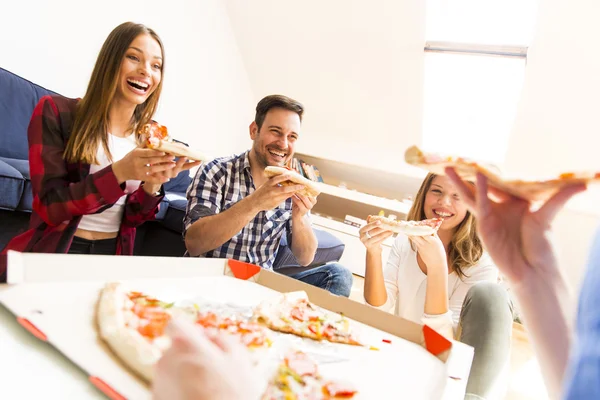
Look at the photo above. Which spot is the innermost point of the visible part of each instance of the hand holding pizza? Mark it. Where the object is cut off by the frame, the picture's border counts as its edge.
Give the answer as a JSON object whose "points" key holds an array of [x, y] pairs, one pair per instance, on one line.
{"points": [[431, 250], [181, 164], [302, 204], [271, 193], [372, 236], [517, 238], [198, 366], [143, 165]]}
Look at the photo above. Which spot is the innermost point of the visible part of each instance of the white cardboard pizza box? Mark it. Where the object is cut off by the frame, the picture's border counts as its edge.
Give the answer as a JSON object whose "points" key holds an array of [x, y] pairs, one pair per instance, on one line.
{"points": [[54, 297]]}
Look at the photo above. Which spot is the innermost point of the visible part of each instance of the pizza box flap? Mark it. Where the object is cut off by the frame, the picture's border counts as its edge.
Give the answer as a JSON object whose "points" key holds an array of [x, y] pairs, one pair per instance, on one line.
{"points": [[27, 269]]}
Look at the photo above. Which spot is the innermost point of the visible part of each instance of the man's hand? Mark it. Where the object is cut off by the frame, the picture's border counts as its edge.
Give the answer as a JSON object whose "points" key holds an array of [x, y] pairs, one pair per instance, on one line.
{"points": [[200, 365], [517, 238], [301, 205], [272, 193]]}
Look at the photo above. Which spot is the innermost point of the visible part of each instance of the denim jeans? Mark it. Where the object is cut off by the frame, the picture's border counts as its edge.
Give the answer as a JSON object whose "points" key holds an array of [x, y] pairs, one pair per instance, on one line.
{"points": [[486, 325], [332, 277]]}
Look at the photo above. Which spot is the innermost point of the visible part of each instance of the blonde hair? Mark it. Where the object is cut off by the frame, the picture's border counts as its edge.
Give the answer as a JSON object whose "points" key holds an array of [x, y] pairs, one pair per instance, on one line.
{"points": [[90, 125], [465, 248]]}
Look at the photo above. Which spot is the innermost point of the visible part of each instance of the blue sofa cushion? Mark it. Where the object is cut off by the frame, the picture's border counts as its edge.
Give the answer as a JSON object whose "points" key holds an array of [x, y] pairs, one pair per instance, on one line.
{"points": [[23, 167], [19, 97], [180, 183], [329, 248], [172, 211], [11, 184]]}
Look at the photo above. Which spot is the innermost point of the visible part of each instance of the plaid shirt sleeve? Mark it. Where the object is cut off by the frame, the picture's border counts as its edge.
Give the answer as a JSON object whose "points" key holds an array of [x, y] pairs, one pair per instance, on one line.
{"points": [[55, 198], [205, 194], [141, 207]]}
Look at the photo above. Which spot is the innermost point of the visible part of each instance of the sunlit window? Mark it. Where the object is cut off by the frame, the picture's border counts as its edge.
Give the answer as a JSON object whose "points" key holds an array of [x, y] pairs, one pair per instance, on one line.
{"points": [[474, 68]]}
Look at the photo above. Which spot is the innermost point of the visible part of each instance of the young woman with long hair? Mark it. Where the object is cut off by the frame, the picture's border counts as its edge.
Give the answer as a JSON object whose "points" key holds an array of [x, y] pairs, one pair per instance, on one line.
{"points": [[92, 180], [446, 281]]}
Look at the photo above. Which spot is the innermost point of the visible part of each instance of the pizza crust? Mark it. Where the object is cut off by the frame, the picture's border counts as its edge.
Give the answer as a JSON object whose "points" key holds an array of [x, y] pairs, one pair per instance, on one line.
{"points": [[179, 150], [310, 188], [139, 354]]}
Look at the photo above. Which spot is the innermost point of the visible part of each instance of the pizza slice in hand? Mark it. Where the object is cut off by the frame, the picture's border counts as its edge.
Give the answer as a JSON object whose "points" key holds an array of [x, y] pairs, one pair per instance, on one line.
{"points": [[425, 227], [157, 137], [535, 190], [297, 377], [310, 188]]}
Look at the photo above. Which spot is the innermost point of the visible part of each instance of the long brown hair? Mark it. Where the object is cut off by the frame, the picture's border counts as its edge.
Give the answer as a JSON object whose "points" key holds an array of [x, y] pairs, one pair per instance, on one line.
{"points": [[465, 248], [90, 125]]}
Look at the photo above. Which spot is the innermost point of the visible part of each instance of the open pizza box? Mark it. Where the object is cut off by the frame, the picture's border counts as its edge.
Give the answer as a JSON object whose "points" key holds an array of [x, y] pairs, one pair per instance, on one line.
{"points": [[54, 297]]}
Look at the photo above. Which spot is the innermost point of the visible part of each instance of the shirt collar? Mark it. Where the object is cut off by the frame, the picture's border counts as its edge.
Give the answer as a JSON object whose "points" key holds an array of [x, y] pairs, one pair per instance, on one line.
{"points": [[246, 160]]}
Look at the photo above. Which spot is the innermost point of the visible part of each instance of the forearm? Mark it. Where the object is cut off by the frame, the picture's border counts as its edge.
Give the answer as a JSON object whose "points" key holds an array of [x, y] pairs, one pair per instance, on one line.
{"points": [[374, 292], [304, 241], [436, 296], [545, 306], [210, 232]]}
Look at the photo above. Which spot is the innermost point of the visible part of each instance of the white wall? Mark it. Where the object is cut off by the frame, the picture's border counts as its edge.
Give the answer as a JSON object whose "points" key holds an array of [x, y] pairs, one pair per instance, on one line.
{"points": [[356, 65], [557, 125], [207, 100]]}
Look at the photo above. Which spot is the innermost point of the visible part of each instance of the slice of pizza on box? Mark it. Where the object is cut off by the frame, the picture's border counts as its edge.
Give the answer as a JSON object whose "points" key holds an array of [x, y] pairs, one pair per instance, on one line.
{"points": [[533, 190]]}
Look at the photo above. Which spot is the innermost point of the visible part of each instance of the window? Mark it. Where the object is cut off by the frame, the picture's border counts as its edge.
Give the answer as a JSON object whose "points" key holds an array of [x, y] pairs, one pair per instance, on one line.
{"points": [[474, 69]]}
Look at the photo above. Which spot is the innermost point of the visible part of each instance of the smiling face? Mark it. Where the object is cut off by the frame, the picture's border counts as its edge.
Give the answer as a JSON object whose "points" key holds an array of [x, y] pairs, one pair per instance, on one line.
{"points": [[141, 70], [442, 200], [275, 141]]}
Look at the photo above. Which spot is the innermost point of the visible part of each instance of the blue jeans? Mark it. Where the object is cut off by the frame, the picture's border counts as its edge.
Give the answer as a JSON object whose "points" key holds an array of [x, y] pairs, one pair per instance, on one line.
{"points": [[332, 277]]}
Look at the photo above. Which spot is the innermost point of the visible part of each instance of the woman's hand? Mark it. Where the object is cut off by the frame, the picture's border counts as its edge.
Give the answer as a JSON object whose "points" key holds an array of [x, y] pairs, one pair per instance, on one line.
{"points": [[517, 238], [143, 165], [432, 252], [151, 166], [372, 236]]}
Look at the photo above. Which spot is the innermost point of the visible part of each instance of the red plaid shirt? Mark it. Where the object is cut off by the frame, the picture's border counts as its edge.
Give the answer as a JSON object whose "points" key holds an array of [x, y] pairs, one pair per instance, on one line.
{"points": [[63, 192]]}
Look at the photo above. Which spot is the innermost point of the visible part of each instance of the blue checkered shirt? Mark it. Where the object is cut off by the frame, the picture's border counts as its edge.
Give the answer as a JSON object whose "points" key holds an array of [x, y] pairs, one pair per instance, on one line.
{"points": [[220, 184]]}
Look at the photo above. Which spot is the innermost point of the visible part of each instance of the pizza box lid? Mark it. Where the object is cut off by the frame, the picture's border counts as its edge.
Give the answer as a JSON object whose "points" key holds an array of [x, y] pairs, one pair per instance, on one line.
{"points": [[54, 296]]}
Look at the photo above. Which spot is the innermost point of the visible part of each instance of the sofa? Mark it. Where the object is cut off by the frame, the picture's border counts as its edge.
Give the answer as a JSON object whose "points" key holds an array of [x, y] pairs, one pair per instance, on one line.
{"points": [[162, 237]]}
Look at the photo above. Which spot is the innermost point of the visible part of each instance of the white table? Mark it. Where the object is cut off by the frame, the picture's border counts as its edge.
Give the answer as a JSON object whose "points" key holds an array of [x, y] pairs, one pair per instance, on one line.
{"points": [[32, 369]]}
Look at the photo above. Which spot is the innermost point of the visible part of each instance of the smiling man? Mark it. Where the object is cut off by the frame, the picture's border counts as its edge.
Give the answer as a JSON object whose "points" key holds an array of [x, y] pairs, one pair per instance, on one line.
{"points": [[234, 211]]}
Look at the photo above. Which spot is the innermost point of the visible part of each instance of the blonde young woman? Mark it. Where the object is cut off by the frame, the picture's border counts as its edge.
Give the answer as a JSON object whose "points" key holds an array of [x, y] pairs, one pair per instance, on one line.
{"points": [[92, 182], [446, 281]]}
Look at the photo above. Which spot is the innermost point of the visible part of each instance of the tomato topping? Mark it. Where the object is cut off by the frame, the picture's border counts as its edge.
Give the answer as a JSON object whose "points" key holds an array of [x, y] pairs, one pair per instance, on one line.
{"points": [[339, 390]]}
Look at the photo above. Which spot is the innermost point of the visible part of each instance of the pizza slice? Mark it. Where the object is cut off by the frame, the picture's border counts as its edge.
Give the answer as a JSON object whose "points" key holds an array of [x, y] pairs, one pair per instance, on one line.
{"points": [[411, 228], [533, 190], [157, 137], [293, 313], [297, 377], [310, 188], [251, 334], [133, 325]]}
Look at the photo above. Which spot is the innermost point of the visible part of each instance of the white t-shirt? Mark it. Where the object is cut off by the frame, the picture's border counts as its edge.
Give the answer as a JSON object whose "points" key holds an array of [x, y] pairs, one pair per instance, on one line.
{"points": [[406, 286], [109, 220]]}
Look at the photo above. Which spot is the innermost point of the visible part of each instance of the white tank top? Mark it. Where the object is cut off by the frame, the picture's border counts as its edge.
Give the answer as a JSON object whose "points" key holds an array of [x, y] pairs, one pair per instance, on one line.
{"points": [[109, 220]]}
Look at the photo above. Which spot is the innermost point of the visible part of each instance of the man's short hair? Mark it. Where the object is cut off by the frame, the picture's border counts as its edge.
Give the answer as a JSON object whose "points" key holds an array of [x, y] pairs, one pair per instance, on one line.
{"points": [[276, 101]]}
